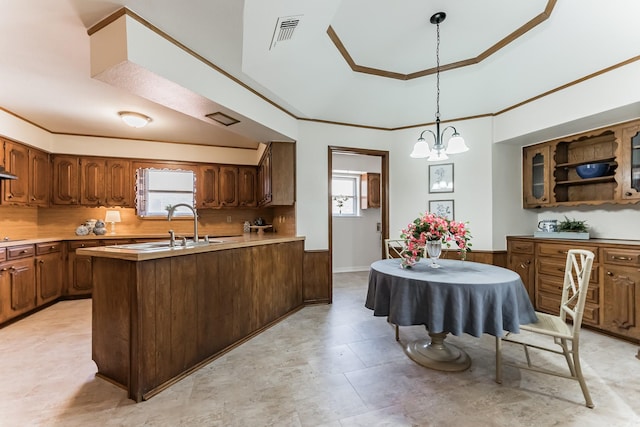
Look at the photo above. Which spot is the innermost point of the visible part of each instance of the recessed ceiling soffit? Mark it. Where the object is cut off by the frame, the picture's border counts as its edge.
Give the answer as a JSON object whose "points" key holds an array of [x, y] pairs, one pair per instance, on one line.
{"points": [[481, 56]]}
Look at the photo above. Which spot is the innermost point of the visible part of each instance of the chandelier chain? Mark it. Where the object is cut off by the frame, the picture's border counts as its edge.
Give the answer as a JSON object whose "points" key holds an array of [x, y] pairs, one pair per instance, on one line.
{"points": [[437, 71]]}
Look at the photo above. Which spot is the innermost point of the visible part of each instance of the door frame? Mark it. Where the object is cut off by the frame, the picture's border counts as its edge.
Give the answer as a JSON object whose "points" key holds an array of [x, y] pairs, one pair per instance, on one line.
{"points": [[384, 196]]}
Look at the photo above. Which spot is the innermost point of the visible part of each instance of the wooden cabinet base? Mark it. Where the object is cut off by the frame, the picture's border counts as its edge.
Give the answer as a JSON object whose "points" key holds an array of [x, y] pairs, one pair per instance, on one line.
{"points": [[156, 321]]}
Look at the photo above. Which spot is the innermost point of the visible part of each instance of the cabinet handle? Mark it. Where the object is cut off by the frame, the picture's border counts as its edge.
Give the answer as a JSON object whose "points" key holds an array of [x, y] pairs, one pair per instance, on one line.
{"points": [[52, 247], [609, 273], [544, 199], [563, 252], [3, 269], [628, 194], [24, 251], [41, 261], [9, 196], [621, 258]]}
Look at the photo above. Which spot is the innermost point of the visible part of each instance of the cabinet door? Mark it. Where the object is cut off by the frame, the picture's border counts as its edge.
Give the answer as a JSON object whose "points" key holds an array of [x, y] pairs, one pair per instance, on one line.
{"points": [[16, 160], [523, 264], [66, 184], [207, 194], [622, 301], [22, 286], [39, 178], [119, 183], [92, 182], [265, 178], [629, 165], [228, 186], [536, 175], [247, 183], [49, 270], [370, 190], [80, 268]]}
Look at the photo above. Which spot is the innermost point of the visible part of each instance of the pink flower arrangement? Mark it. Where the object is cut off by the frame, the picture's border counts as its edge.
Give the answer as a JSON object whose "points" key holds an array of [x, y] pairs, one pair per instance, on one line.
{"points": [[431, 227]]}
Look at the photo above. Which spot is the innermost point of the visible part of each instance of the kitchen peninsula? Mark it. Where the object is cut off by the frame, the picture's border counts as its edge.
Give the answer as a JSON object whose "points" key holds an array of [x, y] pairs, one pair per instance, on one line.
{"points": [[160, 313]]}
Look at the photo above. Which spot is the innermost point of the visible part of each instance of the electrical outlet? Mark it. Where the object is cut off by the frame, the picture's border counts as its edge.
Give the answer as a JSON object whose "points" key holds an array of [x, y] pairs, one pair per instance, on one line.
{"points": [[229, 218]]}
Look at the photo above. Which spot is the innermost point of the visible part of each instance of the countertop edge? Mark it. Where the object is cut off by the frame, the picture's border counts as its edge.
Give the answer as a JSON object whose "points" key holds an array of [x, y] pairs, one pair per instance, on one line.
{"points": [[142, 255]]}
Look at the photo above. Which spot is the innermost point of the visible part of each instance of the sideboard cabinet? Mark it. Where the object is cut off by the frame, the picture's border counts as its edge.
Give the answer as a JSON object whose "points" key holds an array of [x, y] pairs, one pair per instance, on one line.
{"points": [[549, 169], [613, 298]]}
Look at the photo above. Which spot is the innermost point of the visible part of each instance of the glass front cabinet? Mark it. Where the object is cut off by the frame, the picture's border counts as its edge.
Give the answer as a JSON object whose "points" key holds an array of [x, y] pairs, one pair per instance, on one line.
{"points": [[630, 162], [536, 175]]}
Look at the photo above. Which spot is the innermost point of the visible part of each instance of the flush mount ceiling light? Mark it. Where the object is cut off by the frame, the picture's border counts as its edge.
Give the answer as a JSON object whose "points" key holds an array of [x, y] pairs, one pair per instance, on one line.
{"points": [[456, 143], [135, 120], [223, 119]]}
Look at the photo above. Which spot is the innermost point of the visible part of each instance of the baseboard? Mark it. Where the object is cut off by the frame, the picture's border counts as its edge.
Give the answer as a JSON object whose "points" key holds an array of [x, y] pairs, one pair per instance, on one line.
{"points": [[351, 269]]}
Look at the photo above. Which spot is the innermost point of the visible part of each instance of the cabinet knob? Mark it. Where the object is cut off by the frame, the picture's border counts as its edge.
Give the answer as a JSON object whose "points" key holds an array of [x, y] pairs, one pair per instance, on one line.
{"points": [[628, 194], [24, 251], [41, 261], [9, 196], [609, 273], [544, 199]]}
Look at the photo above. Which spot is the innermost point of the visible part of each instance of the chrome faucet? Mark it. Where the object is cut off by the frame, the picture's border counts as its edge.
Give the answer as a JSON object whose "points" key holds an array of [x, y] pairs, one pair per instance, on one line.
{"points": [[171, 210]]}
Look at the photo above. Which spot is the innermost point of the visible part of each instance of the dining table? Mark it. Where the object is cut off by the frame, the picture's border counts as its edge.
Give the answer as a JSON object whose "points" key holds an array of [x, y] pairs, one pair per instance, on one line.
{"points": [[459, 297]]}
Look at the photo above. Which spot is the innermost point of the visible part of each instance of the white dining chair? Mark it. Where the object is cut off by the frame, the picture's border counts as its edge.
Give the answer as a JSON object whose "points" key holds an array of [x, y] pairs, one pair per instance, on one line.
{"points": [[574, 293], [393, 248]]}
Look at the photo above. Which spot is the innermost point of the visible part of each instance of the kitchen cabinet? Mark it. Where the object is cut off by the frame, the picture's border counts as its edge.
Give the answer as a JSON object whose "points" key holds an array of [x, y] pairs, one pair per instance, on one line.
{"points": [[370, 190], [521, 259], [228, 186], [622, 291], [550, 175], [31, 166], [79, 268], [536, 176], [49, 270], [247, 186], [276, 173], [66, 180], [16, 160], [105, 182], [39, 178], [17, 282], [207, 182], [613, 297], [629, 164]]}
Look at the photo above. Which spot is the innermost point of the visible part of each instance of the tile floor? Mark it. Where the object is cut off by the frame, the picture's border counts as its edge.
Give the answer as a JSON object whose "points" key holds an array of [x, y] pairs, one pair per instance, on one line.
{"points": [[327, 365]]}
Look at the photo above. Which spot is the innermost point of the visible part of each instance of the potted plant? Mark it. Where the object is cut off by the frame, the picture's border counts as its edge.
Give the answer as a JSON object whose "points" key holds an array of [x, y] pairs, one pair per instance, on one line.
{"points": [[572, 225]]}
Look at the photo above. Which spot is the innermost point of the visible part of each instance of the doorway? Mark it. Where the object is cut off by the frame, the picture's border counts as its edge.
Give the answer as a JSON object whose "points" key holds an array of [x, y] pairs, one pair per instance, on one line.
{"points": [[384, 194]]}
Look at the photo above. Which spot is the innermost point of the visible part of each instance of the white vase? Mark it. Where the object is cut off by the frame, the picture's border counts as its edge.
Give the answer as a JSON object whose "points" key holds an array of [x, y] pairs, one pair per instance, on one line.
{"points": [[434, 249]]}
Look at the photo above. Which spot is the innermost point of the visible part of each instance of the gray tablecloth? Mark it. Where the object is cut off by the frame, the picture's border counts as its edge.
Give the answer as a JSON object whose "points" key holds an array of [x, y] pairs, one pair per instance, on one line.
{"points": [[459, 297]]}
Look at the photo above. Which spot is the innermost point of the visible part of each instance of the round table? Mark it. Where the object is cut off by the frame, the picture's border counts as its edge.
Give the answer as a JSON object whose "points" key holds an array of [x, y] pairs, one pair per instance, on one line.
{"points": [[459, 297]]}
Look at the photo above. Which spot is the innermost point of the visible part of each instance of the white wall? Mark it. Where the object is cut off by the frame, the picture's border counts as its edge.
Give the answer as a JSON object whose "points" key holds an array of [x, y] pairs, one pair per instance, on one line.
{"points": [[356, 242]]}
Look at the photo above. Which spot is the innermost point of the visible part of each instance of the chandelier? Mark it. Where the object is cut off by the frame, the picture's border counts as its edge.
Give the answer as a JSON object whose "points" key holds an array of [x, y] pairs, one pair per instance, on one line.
{"points": [[456, 143]]}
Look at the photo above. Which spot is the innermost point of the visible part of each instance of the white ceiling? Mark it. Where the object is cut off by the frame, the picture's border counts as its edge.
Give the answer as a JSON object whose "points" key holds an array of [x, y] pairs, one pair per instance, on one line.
{"points": [[45, 69]]}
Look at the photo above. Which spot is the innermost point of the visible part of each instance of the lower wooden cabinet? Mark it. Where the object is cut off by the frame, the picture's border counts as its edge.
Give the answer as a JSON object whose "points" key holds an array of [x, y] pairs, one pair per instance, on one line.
{"points": [[79, 268], [49, 265], [613, 299], [17, 282]]}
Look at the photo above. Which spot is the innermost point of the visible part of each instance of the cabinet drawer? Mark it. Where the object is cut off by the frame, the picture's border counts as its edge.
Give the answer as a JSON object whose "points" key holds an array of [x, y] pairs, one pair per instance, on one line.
{"points": [[553, 285], [621, 256], [521, 247], [3, 254], [76, 244], [555, 267], [48, 248], [550, 303], [23, 251], [561, 250]]}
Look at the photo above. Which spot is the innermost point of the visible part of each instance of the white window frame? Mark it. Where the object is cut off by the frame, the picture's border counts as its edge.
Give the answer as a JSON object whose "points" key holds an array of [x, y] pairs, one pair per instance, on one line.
{"points": [[356, 194], [156, 189]]}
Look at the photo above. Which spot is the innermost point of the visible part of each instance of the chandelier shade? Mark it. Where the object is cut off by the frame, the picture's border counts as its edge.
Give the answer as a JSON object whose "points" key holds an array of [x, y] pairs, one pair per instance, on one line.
{"points": [[456, 144]]}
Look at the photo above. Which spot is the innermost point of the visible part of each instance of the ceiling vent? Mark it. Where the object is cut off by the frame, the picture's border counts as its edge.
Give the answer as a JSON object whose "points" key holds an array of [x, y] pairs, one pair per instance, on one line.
{"points": [[285, 27]]}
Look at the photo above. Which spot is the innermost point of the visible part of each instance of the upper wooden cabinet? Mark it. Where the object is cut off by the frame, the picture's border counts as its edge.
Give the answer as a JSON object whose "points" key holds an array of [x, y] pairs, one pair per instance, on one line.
{"points": [[536, 175], [207, 182], [16, 160], [247, 186], [276, 175], [549, 170], [228, 186], [92, 181], [31, 166], [65, 187], [630, 162], [370, 190]]}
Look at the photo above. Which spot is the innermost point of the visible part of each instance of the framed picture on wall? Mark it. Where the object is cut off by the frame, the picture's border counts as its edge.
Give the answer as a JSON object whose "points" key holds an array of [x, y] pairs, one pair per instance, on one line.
{"points": [[442, 208], [441, 178]]}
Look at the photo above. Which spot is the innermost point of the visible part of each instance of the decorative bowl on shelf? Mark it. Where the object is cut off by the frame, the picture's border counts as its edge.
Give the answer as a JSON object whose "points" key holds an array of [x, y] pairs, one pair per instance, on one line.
{"points": [[592, 170]]}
